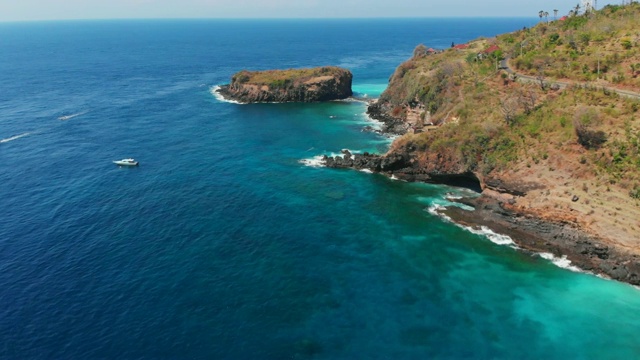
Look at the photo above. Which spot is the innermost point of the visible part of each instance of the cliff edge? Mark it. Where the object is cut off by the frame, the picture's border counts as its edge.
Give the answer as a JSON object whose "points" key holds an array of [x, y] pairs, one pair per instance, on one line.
{"points": [[555, 155], [292, 85]]}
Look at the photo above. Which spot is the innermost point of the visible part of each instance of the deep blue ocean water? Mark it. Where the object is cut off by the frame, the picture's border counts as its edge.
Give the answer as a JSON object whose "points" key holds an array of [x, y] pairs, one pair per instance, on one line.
{"points": [[222, 244]]}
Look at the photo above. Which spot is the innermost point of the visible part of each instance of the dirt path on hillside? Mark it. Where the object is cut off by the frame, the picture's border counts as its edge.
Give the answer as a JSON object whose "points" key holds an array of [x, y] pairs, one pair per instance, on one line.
{"points": [[504, 64]]}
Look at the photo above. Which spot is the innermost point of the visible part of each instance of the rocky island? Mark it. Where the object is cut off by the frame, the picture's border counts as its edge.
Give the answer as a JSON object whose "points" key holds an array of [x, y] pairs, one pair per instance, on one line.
{"points": [[293, 85], [542, 122]]}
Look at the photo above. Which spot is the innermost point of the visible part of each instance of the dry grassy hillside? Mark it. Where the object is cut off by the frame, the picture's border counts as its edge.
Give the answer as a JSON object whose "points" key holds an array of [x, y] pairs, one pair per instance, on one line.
{"points": [[601, 47], [577, 148]]}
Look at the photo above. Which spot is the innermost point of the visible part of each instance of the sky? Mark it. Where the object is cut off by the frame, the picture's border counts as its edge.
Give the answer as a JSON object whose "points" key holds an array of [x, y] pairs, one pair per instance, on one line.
{"points": [[27, 10]]}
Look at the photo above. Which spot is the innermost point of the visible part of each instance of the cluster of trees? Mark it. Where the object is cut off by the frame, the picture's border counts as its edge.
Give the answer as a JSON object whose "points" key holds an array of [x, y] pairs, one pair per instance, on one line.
{"points": [[545, 14], [573, 12]]}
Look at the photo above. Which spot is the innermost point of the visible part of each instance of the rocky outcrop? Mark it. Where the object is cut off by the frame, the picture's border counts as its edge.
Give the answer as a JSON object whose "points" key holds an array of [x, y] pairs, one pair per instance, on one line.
{"points": [[402, 166], [497, 210], [293, 85], [391, 125]]}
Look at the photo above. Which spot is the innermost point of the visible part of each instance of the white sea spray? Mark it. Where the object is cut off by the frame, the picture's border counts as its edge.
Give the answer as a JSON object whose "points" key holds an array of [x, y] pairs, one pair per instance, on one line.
{"points": [[214, 90]]}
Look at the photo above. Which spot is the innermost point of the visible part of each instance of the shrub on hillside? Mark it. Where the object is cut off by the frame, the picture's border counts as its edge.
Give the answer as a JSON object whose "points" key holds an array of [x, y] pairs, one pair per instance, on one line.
{"points": [[584, 120], [420, 51], [590, 139]]}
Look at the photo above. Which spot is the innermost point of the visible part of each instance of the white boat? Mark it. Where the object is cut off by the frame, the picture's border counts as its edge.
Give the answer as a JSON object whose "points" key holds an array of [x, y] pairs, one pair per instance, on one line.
{"points": [[126, 162]]}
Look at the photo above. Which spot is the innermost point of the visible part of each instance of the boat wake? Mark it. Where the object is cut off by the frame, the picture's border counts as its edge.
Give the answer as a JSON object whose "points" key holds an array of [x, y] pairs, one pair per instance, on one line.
{"points": [[9, 139], [214, 90], [69, 117]]}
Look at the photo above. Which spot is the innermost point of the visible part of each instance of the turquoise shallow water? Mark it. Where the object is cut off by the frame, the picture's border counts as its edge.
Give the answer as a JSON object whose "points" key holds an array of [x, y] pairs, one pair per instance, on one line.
{"points": [[222, 244]]}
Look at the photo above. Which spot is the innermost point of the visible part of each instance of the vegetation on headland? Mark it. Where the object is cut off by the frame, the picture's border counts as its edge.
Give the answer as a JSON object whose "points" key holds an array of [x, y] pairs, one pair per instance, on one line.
{"points": [[490, 121], [565, 127], [601, 46], [292, 85], [283, 78]]}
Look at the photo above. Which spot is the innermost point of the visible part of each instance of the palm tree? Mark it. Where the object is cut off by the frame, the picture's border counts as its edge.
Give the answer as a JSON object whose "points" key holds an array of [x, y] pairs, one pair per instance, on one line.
{"points": [[577, 10], [555, 14], [541, 14], [546, 16]]}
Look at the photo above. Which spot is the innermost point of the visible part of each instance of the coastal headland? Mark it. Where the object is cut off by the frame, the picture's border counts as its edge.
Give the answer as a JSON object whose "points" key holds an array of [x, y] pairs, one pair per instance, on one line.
{"points": [[292, 85], [542, 122]]}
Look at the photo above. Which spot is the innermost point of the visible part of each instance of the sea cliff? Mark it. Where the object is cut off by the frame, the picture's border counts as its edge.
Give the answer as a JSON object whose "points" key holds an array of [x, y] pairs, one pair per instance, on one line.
{"points": [[293, 85], [556, 161]]}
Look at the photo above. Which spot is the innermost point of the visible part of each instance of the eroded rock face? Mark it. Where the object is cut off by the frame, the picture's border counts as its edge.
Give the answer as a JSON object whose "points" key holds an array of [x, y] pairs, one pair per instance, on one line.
{"points": [[402, 166], [392, 125], [294, 85]]}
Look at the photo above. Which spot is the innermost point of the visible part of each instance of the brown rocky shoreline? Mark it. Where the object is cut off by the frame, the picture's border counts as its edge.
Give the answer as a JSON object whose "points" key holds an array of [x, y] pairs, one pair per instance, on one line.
{"points": [[560, 238], [497, 208]]}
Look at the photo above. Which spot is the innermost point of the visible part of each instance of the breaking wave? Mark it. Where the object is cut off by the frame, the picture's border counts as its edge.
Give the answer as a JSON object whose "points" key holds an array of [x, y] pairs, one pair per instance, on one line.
{"points": [[484, 231], [500, 239], [562, 262], [316, 161], [214, 91]]}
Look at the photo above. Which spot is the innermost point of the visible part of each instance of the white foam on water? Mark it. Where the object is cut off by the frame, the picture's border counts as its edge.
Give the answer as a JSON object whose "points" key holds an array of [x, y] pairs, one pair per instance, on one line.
{"points": [[436, 210], [500, 239], [433, 209], [373, 123], [494, 237], [561, 262], [69, 117], [316, 161], [352, 151], [14, 138], [366, 171], [219, 97], [453, 197], [444, 202]]}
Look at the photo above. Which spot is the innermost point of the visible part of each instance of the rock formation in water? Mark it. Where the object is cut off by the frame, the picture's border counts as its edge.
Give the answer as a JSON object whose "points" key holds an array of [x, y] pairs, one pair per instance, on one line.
{"points": [[293, 85]]}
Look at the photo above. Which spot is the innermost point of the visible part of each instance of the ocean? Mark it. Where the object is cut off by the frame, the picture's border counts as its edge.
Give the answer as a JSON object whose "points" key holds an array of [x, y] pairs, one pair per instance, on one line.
{"points": [[227, 242]]}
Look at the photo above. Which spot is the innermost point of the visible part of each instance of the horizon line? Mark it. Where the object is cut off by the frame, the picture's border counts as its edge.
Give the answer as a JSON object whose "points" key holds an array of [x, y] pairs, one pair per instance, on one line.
{"points": [[265, 18]]}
